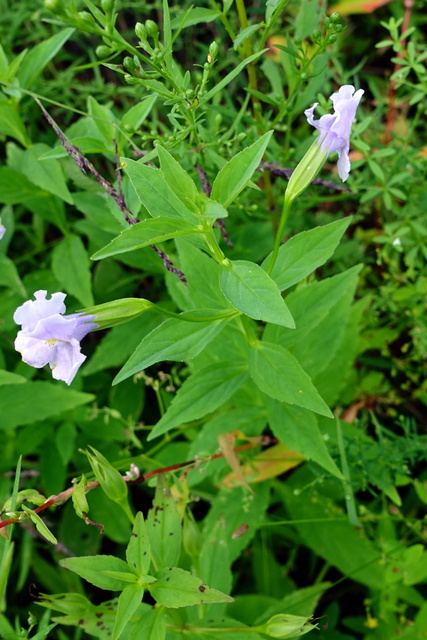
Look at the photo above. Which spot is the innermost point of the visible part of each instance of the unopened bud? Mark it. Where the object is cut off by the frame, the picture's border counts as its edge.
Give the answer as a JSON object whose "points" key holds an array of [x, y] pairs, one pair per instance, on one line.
{"points": [[213, 50], [55, 6], [86, 19], [102, 51], [141, 31], [107, 5], [152, 28], [285, 626]]}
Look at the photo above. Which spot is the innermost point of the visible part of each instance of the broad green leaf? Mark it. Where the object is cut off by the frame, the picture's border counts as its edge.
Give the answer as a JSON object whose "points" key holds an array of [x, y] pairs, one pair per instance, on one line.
{"points": [[38, 57], [136, 115], [129, 601], [46, 174], [11, 123], [310, 304], [178, 588], [103, 119], [91, 568], [179, 181], [305, 252], [7, 377], [144, 233], [299, 429], [253, 292], [163, 527], [71, 267], [279, 375], [235, 175], [9, 276], [15, 188], [196, 15], [39, 524], [34, 401], [174, 339], [215, 564], [155, 194], [138, 550], [201, 393]]}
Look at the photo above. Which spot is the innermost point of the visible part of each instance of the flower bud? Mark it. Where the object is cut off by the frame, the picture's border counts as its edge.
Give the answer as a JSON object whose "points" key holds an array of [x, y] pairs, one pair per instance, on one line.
{"points": [[108, 477], [285, 625], [110, 314], [152, 28], [213, 50], [107, 6], [141, 31], [55, 6], [102, 51], [86, 19]]}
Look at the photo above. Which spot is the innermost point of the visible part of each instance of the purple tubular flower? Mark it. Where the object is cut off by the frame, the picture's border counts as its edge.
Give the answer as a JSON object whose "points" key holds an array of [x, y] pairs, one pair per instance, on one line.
{"points": [[335, 129], [48, 337]]}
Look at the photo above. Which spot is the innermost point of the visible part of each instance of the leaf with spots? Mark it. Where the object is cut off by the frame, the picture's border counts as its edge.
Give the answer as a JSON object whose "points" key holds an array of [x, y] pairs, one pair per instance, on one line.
{"points": [[178, 588], [138, 552], [163, 527]]}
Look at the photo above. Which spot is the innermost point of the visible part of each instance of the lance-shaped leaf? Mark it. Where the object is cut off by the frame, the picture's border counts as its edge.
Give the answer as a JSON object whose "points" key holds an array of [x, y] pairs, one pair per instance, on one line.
{"points": [[276, 372], [92, 568], [201, 393], [138, 550], [253, 292], [235, 175], [305, 252], [164, 527], [144, 233], [129, 601], [178, 588], [174, 339]]}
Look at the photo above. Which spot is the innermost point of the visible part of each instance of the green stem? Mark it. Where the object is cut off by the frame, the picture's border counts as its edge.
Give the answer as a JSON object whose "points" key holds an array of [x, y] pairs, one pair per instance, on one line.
{"points": [[180, 316], [278, 239], [350, 502]]}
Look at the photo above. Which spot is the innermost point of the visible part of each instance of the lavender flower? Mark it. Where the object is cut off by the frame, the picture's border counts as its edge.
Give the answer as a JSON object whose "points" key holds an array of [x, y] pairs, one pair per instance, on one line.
{"points": [[48, 337], [335, 129], [2, 230]]}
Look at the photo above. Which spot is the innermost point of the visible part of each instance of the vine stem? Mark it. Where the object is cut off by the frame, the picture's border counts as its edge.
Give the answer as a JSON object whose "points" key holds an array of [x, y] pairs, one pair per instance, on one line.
{"points": [[62, 497]]}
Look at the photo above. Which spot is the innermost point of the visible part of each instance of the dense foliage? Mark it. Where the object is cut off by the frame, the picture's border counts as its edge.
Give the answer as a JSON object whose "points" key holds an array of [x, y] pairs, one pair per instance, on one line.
{"points": [[242, 453]]}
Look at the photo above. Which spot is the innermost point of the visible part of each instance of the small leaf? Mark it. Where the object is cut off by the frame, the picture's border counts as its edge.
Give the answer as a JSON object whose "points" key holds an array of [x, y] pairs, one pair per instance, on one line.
{"points": [[129, 601], [91, 568], [253, 292], [177, 178], [138, 552], [178, 588], [40, 525], [163, 527], [71, 267]]}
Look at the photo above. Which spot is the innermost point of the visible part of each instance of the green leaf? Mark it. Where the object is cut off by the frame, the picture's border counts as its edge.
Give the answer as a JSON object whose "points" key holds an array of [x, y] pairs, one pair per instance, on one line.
{"points": [[129, 601], [229, 77], [305, 252], [179, 181], [235, 175], [174, 339], [7, 377], [178, 588], [39, 56], [195, 15], [201, 393], [34, 401], [155, 194], [9, 276], [138, 553], [46, 174], [39, 524], [252, 291], [91, 568], [15, 188], [71, 267], [163, 527], [136, 115], [144, 233], [245, 33], [279, 375], [103, 119], [11, 123], [298, 428]]}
